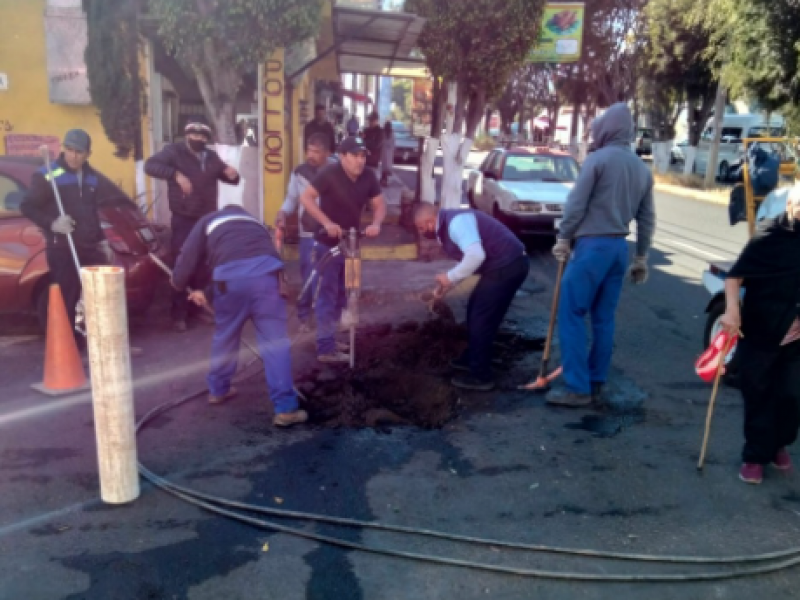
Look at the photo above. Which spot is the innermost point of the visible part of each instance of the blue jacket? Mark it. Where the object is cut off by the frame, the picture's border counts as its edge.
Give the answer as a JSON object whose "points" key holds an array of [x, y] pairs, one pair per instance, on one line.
{"points": [[226, 240]]}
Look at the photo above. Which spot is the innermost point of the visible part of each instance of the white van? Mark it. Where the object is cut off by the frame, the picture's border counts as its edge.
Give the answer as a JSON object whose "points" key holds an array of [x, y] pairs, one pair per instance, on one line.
{"points": [[734, 129]]}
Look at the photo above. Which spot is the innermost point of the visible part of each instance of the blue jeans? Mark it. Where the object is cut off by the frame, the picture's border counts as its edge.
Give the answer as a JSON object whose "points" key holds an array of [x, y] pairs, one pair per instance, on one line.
{"points": [[306, 264], [331, 299], [592, 284], [255, 299]]}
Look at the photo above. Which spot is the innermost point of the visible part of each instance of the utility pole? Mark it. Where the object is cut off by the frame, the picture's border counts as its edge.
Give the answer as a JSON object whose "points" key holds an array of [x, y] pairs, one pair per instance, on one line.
{"points": [[713, 151]]}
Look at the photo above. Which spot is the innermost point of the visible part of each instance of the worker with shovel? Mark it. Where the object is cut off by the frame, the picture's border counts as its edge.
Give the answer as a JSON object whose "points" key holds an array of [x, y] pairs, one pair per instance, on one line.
{"points": [[614, 187], [317, 158], [246, 286], [64, 204], [486, 247]]}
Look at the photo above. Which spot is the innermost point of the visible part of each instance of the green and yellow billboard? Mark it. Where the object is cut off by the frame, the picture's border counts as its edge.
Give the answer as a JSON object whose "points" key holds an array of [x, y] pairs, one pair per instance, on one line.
{"points": [[561, 35]]}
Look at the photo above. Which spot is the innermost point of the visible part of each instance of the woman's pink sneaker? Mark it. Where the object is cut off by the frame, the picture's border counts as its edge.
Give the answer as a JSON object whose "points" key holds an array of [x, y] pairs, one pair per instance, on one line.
{"points": [[782, 460], [752, 473]]}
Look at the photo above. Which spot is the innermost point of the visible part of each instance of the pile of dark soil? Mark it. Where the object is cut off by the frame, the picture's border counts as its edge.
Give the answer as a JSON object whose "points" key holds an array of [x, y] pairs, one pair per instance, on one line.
{"points": [[401, 376]]}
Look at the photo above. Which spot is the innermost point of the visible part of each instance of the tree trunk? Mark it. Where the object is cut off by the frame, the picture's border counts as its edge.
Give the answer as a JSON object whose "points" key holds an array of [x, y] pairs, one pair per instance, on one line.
{"points": [[456, 150], [713, 151], [688, 160], [427, 181], [487, 120], [436, 109]]}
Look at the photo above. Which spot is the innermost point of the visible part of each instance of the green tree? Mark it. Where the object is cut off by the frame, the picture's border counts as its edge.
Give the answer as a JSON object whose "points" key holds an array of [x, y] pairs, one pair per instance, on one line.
{"points": [[112, 64], [477, 45], [219, 41]]}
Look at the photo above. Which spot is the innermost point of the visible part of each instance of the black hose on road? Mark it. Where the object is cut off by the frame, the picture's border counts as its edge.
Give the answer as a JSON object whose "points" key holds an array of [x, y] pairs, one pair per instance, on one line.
{"points": [[777, 561]]}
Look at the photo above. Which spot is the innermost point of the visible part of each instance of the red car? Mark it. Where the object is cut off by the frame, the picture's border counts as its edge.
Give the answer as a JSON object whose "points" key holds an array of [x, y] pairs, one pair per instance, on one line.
{"points": [[23, 265]]}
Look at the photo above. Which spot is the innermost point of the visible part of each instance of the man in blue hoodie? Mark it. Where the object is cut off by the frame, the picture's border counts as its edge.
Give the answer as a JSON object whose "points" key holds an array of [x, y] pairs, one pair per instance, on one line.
{"points": [[613, 188]]}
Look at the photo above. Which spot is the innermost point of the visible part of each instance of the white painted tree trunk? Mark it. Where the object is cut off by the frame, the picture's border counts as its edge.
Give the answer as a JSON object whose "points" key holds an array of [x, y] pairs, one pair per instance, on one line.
{"points": [[450, 113], [455, 152], [231, 194], [112, 388], [689, 156], [661, 156], [427, 187]]}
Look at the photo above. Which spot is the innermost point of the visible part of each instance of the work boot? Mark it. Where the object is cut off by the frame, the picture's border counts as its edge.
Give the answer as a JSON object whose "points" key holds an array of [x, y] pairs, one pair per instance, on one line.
{"points": [[597, 392], [212, 399], [333, 357], [752, 473], [469, 382], [782, 460], [290, 418], [568, 399], [179, 326]]}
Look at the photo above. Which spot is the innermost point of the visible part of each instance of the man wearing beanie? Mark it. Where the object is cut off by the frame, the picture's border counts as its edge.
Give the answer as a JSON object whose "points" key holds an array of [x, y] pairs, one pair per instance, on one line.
{"points": [[81, 189], [192, 172]]}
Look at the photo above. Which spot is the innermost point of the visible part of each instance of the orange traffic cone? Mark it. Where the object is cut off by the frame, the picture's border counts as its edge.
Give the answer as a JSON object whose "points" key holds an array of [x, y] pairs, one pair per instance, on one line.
{"points": [[63, 370]]}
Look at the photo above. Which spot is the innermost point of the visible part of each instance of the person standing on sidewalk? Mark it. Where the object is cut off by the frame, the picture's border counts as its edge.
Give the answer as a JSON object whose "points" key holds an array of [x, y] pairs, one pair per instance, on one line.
{"points": [[485, 247], [613, 188], [320, 125], [352, 126], [387, 160], [343, 189], [317, 157], [373, 140], [192, 172], [245, 264], [81, 189], [769, 351]]}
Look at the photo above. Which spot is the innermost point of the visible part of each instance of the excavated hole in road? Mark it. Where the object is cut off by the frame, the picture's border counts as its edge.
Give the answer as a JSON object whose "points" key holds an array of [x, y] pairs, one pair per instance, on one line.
{"points": [[402, 376]]}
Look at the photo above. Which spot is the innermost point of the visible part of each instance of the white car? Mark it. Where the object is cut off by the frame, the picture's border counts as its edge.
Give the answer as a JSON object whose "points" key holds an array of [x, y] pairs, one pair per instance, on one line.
{"points": [[524, 188]]}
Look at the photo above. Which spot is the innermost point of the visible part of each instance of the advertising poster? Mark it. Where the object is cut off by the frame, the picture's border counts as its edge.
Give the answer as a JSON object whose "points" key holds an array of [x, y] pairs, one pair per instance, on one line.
{"points": [[561, 35]]}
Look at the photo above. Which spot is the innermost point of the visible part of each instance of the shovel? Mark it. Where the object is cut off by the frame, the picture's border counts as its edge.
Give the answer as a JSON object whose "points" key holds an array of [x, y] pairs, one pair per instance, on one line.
{"points": [[541, 384], [436, 305]]}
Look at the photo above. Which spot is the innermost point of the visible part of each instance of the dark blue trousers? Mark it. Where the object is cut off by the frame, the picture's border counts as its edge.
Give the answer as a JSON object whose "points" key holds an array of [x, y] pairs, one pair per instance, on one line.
{"points": [[486, 308], [331, 300], [259, 300], [306, 264], [181, 227], [592, 285]]}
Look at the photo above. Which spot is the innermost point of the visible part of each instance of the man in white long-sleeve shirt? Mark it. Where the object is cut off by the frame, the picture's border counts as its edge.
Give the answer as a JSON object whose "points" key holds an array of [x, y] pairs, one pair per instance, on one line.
{"points": [[317, 156], [485, 247]]}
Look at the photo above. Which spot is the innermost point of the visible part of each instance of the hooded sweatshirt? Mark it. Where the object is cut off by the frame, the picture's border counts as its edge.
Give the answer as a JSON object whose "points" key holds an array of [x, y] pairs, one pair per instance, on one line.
{"points": [[614, 186]]}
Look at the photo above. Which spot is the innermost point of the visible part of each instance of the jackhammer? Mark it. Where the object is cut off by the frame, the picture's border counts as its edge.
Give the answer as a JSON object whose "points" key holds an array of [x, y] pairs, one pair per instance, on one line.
{"points": [[352, 285]]}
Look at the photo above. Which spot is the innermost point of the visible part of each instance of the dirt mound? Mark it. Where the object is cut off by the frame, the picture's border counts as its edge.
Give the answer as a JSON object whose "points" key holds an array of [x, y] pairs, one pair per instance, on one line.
{"points": [[401, 376]]}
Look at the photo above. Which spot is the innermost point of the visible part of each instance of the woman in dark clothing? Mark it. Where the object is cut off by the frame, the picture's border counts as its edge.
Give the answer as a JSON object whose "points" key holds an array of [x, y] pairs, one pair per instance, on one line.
{"points": [[769, 350]]}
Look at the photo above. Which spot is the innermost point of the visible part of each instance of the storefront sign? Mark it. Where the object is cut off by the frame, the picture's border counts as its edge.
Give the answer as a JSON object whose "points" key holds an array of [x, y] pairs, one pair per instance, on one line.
{"points": [[561, 35], [274, 135], [18, 144]]}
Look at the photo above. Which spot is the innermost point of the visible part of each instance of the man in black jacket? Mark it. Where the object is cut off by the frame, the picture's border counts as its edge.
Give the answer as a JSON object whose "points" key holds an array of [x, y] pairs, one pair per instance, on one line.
{"points": [[192, 172], [373, 140], [246, 287], [81, 189], [320, 124]]}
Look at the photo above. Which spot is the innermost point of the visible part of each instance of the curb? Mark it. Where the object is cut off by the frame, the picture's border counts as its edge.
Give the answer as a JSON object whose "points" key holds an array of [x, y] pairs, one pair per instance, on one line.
{"points": [[677, 190]]}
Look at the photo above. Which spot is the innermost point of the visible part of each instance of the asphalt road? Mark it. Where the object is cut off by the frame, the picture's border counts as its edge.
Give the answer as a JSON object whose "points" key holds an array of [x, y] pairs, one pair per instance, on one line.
{"points": [[508, 468]]}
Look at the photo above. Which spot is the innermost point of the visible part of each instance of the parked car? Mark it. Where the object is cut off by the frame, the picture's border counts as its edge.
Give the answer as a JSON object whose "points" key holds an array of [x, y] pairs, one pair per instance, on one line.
{"points": [[525, 188], [644, 141], [735, 128], [24, 278], [678, 152], [406, 144]]}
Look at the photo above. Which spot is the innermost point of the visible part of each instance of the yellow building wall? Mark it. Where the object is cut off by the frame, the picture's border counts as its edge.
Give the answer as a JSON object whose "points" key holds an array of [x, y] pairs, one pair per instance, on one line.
{"points": [[25, 107], [275, 135]]}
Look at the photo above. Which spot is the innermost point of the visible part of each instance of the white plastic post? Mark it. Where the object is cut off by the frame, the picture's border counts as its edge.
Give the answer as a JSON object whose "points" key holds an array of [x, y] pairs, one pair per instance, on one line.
{"points": [[112, 391]]}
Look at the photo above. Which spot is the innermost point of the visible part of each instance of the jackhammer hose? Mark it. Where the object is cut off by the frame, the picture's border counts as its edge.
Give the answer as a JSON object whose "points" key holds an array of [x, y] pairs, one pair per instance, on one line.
{"points": [[216, 505]]}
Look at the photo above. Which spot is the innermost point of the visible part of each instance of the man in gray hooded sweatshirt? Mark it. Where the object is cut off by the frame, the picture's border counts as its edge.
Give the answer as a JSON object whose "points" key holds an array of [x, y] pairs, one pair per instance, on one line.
{"points": [[614, 187]]}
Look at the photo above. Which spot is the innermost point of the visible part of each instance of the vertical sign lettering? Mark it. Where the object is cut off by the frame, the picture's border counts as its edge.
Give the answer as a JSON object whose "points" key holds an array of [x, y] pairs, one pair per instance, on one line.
{"points": [[274, 136]]}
